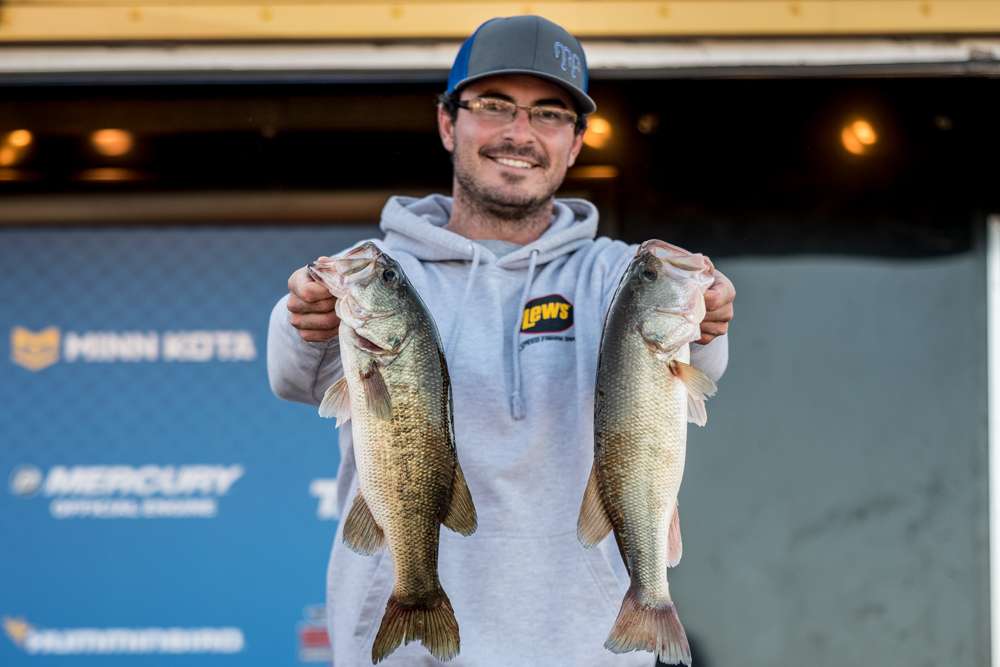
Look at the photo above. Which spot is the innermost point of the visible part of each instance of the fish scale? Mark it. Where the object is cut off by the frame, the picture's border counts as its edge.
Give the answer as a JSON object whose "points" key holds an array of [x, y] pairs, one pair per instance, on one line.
{"points": [[645, 392], [397, 393]]}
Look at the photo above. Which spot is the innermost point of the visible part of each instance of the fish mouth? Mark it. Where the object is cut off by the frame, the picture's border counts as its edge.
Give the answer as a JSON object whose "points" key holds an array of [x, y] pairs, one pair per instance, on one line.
{"points": [[341, 272], [676, 256]]}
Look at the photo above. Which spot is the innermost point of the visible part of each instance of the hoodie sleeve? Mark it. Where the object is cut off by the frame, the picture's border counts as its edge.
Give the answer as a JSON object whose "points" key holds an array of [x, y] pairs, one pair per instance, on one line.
{"points": [[298, 370], [712, 358]]}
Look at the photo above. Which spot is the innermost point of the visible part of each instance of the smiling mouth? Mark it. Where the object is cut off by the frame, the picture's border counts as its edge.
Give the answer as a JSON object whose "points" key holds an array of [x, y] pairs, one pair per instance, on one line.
{"points": [[514, 163]]}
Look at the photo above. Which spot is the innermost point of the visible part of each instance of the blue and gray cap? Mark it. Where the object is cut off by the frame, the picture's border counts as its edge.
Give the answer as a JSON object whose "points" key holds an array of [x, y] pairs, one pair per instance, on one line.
{"points": [[524, 45]]}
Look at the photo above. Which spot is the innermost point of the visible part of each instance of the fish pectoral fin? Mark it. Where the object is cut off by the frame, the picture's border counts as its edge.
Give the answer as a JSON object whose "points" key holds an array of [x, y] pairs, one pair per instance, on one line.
{"points": [[699, 387], [461, 516], [593, 524], [361, 533], [674, 545], [376, 392], [336, 402]]}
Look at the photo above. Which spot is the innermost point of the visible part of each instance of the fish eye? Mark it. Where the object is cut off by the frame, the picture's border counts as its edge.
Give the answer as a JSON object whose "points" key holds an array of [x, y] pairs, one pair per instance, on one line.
{"points": [[388, 275], [649, 274]]}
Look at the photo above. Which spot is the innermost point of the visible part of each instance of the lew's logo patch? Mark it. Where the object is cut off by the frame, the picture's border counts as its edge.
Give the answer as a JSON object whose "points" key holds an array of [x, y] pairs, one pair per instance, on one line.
{"points": [[547, 314]]}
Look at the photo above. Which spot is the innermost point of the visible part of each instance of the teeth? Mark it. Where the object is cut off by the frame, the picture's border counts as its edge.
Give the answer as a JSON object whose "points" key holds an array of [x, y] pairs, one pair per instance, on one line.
{"points": [[509, 162]]}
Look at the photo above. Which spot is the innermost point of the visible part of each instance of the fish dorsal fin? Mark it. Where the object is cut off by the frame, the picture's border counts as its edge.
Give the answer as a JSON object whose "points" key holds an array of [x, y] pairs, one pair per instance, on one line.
{"points": [[361, 533], [376, 393], [461, 516], [699, 387], [593, 524], [336, 402], [674, 545]]}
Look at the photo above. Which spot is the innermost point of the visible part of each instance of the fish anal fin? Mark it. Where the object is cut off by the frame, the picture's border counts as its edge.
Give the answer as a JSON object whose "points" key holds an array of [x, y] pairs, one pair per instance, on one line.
{"points": [[593, 524], [461, 515], [699, 387], [361, 533], [376, 392], [336, 402], [674, 546]]}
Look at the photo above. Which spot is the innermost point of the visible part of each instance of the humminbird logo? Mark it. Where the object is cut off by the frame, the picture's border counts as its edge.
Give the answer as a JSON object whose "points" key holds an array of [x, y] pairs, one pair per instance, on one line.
{"points": [[82, 641], [547, 314], [128, 492], [36, 350]]}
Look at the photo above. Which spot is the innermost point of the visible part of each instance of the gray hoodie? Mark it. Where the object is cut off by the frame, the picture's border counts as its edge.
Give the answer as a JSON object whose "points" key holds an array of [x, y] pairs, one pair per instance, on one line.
{"points": [[524, 590]]}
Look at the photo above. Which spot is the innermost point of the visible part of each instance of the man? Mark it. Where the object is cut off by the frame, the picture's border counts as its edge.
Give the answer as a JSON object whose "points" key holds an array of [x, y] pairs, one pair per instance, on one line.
{"points": [[518, 287]]}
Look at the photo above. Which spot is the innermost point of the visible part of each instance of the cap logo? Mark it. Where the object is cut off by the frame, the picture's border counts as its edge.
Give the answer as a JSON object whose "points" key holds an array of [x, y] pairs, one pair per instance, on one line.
{"points": [[568, 61]]}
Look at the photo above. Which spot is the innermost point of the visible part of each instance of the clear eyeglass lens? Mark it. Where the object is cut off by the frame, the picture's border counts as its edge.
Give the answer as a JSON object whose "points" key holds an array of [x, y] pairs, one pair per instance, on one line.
{"points": [[502, 109], [551, 116]]}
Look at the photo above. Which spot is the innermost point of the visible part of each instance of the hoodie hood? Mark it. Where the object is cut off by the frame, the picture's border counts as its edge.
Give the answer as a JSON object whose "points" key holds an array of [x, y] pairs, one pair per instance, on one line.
{"points": [[417, 227]]}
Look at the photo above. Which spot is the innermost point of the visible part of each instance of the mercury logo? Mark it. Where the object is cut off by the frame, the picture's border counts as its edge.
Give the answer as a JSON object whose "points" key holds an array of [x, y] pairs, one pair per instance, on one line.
{"points": [[25, 480], [128, 492]]}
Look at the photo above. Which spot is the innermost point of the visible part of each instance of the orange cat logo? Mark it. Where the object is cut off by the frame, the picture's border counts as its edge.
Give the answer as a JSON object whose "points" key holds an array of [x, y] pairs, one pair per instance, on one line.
{"points": [[34, 350]]}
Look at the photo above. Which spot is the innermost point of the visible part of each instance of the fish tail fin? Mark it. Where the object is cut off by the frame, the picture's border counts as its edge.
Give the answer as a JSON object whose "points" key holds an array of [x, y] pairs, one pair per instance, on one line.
{"points": [[643, 628], [431, 621]]}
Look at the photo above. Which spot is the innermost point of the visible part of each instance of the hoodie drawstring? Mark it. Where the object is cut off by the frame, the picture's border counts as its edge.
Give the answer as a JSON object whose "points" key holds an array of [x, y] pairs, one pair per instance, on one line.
{"points": [[516, 401], [456, 326]]}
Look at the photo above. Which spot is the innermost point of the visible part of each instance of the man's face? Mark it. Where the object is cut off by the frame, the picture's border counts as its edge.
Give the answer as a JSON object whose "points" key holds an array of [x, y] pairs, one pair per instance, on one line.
{"points": [[510, 168]]}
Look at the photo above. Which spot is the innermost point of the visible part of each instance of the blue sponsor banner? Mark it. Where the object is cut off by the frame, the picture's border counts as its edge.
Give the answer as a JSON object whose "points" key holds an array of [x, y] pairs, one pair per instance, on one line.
{"points": [[159, 502]]}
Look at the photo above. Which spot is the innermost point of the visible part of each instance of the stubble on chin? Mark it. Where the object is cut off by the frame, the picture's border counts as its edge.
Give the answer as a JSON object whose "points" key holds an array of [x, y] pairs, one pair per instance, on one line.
{"points": [[497, 203]]}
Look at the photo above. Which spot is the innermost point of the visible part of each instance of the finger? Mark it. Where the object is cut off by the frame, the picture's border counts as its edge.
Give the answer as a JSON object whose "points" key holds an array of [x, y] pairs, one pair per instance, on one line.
{"points": [[302, 285], [297, 305], [724, 314], [317, 336], [312, 292], [315, 321], [714, 328], [720, 293]]}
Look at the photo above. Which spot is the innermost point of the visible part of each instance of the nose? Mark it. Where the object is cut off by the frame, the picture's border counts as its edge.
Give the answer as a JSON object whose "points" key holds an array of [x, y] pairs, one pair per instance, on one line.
{"points": [[520, 126]]}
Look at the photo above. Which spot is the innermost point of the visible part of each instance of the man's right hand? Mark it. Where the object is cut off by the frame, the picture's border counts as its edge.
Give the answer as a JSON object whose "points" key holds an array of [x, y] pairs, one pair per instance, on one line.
{"points": [[310, 308]]}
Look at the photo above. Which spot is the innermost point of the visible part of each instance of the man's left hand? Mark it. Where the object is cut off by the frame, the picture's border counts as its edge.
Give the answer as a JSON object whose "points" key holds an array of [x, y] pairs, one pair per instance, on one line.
{"points": [[719, 308]]}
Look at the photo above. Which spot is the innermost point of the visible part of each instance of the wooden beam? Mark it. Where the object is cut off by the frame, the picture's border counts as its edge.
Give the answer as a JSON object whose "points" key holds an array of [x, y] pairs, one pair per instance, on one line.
{"points": [[114, 20]]}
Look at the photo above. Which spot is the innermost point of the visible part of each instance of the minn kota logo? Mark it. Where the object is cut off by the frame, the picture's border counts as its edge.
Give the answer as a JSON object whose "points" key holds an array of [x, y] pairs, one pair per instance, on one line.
{"points": [[34, 350], [547, 314]]}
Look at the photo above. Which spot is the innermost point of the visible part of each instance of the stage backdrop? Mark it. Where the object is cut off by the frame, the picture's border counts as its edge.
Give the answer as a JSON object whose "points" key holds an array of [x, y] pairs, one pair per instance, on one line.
{"points": [[159, 501]]}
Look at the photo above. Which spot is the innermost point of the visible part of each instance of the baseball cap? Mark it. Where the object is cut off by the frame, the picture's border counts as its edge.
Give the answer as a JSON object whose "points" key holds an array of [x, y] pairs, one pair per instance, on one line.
{"points": [[524, 45]]}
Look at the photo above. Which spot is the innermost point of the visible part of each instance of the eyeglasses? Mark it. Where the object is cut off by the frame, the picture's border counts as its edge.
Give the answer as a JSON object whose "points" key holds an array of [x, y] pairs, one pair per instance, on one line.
{"points": [[495, 110]]}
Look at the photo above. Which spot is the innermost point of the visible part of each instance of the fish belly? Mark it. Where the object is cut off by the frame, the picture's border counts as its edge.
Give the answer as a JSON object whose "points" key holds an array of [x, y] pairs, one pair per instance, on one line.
{"points": [[405, 470], [641, 435]]}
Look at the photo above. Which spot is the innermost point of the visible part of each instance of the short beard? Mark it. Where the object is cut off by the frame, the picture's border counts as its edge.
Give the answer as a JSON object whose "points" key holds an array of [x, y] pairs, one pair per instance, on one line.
{"points": [[499, 205], [490, 203]]}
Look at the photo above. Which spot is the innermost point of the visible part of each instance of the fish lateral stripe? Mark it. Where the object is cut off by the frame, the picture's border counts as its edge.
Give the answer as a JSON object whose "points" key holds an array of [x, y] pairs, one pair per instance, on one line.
{"points": [[547, 314]]}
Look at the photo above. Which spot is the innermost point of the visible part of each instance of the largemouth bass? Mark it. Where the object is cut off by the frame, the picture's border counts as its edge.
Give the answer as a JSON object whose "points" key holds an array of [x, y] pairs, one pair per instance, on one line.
{"points": [[397, 394], [646, 394]]}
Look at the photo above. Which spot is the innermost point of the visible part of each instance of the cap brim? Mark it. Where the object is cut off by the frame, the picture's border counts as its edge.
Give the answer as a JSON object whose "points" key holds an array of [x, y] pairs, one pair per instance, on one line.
{"points": [[583, 101]]}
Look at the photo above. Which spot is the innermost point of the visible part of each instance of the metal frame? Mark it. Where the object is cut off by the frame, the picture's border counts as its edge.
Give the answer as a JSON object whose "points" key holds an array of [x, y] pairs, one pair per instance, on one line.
{"points": [[371, 62], [993, 375]]}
